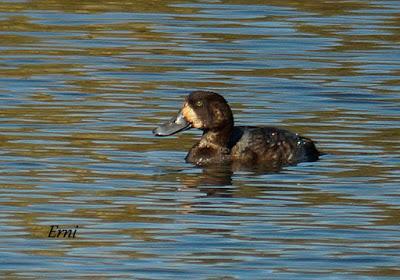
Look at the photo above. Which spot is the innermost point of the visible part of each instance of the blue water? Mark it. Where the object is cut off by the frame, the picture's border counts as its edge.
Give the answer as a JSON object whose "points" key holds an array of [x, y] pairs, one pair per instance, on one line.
{"points": [[83, 84]]}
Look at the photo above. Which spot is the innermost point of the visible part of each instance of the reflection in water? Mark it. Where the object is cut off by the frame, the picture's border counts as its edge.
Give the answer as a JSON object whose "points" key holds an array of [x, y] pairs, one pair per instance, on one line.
{"points": [[210, 176], [82, 85]]}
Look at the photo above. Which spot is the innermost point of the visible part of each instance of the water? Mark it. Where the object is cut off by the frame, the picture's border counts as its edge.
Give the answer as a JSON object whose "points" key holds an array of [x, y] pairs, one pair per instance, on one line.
{"points": [[83, 84]]}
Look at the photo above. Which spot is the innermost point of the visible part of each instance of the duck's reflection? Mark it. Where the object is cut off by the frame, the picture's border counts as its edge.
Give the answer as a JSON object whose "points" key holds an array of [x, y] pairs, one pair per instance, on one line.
{"points": [[210, 176], [217, 180]]}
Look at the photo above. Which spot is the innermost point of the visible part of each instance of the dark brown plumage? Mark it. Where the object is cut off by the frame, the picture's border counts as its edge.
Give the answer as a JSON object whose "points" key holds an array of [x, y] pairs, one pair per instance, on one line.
{"points": [[222, 142]]}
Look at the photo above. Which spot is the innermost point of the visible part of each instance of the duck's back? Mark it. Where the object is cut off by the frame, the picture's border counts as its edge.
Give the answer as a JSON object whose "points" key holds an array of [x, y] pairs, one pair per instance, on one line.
{"points": [[270, 145]]}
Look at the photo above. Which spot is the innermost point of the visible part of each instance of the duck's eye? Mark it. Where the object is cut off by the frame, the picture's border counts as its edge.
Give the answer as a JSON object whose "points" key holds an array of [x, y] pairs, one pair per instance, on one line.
{"points": [[199, 103]]}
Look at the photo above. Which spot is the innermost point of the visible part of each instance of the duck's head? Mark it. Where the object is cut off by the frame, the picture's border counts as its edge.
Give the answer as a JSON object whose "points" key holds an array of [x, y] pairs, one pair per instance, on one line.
{"points": [[204, 110]]}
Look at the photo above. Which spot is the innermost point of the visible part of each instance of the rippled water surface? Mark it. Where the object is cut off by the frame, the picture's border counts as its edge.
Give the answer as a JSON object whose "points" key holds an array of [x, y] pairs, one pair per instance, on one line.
{"points": [[82, 84]]}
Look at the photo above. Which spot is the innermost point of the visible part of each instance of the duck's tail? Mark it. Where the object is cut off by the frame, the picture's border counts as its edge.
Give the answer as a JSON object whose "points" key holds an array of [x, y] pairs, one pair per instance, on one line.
{"points": [[310, 151]]}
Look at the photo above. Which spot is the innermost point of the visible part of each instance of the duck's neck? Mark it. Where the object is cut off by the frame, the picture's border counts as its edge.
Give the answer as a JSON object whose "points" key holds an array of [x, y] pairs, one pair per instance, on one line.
{"points": [[218, 137]]}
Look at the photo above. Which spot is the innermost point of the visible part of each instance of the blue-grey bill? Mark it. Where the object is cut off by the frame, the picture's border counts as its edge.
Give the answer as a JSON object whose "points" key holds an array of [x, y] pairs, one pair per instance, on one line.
{"points": [[175, 125]]}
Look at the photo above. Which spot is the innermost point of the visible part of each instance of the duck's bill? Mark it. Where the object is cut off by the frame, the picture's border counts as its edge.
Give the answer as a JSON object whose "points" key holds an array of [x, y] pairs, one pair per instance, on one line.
{"points": [[175, 125]]}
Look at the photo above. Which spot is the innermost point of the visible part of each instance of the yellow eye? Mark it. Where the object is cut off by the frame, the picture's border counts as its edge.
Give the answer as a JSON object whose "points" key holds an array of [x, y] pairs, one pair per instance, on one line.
{"points": [[199, 103]]}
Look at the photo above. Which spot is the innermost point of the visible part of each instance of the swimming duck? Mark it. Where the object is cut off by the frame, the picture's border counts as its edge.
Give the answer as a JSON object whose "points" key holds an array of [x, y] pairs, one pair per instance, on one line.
{"points": [[222, 142]]}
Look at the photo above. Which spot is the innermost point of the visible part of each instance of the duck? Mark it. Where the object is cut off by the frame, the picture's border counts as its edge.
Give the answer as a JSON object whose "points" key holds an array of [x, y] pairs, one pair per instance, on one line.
{"points": [[224, 143]]}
